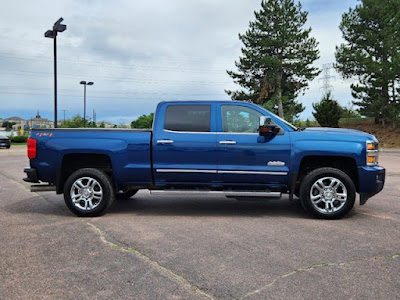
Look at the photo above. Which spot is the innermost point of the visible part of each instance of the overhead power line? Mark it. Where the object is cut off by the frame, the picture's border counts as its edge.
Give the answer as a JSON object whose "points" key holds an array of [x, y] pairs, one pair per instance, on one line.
{"points": [[114, 78], [135, 66], [159, 94]]}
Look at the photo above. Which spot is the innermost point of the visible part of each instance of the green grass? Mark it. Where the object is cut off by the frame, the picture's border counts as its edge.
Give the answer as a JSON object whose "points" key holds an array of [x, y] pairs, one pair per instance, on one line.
{"points": [[18, 144], [342, 122], [303, 124], [354, 119]]}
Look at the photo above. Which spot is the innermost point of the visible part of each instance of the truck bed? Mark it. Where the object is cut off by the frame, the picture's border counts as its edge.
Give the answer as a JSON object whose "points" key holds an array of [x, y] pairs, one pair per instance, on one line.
{"points": [[128, 149]]}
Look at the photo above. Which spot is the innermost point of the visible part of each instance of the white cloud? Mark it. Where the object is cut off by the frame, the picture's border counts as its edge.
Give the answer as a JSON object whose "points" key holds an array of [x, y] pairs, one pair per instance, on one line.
{"points": [[137, 53]]}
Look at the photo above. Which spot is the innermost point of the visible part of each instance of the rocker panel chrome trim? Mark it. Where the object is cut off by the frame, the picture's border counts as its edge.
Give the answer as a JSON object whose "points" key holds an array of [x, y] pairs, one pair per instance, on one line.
{"points": [[220, 172], [185, 171], [225, 193], [253, 172]]}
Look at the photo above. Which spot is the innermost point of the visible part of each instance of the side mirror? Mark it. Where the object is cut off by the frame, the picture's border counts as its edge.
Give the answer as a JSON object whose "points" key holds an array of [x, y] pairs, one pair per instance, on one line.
{"points": [[264, 120], [267, 128]]}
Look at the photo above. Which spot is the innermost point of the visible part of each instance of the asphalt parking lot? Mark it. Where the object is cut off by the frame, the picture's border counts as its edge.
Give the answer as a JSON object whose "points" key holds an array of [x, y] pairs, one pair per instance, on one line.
{"points": [[168, 247]]}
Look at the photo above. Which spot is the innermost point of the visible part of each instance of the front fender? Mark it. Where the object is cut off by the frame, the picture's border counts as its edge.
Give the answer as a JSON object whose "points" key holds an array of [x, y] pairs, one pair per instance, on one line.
{"points": [[304, 148]]}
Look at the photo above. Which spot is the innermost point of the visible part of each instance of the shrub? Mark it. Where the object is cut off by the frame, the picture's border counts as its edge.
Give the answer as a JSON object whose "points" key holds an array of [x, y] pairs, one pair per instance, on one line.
{"points": [[327, 111], [18, 139]]}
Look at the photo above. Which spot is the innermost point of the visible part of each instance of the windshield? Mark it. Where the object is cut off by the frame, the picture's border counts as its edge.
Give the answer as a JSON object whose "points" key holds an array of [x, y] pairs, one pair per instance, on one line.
{"points": [[284, 121]]}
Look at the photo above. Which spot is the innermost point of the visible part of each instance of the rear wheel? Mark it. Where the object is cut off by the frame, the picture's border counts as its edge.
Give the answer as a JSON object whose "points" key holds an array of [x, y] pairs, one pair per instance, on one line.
{"points": [[88, 192], [327, 193]]}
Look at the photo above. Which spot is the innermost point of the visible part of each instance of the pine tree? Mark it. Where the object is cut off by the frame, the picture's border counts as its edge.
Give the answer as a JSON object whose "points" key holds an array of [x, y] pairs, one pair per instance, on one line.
{"points": [[371, 54], [277, 57], [327, 111]]}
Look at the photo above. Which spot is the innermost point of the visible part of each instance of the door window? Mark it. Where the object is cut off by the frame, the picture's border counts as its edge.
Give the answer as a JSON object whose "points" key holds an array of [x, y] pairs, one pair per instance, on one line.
{"points": [[240, 119], [194, 118]]}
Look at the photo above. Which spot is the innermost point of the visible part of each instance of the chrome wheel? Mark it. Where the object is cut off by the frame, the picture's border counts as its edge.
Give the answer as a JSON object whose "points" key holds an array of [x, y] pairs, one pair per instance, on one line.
{"points": [[86, 193], [328, 195]]}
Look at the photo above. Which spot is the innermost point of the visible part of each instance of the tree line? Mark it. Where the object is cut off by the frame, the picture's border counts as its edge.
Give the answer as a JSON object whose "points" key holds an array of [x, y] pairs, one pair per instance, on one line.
{"points": [[278, 55]]}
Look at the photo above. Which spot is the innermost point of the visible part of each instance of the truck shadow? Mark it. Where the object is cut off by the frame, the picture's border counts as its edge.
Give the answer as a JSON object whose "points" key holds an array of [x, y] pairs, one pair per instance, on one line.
{"points": [[51, 205], [208, 206]]}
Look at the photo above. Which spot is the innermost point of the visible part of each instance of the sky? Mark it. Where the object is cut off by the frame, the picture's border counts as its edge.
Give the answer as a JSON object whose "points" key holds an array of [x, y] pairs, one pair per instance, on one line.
{"points": [[139, 53]]}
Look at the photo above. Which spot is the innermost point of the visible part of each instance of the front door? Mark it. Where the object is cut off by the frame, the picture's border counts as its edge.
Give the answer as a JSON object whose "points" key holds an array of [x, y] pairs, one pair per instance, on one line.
{"points": [[245, 157]]}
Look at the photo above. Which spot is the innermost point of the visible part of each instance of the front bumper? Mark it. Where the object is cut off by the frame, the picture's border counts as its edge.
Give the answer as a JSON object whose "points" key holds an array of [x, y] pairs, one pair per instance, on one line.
{"points": [[371, 181], [31, 175]]}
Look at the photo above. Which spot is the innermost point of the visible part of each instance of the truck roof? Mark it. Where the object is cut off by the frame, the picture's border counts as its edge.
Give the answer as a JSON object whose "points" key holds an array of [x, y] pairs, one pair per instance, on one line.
{"points": [[204, 101]]}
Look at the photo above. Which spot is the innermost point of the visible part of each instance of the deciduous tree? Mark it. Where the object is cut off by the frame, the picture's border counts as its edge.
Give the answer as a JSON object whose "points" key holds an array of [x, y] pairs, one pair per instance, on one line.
{"points": [[144, 121]]}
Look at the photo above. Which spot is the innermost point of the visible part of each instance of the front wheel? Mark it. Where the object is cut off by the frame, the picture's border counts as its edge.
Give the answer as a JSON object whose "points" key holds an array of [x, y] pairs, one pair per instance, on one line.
{"points": [[327, 193], [88, 192]]}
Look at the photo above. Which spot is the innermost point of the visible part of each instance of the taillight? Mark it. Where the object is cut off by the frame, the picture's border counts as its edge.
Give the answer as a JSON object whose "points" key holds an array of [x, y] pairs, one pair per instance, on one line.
{"points": [[32, 149]]}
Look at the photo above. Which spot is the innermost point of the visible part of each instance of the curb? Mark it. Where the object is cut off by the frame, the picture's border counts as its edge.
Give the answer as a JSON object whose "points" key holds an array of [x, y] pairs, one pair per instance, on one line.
{"points": [[390, 150]]}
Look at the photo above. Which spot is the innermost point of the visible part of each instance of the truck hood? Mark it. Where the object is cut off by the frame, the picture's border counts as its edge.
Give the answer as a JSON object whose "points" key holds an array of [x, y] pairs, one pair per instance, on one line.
{"points": [[339, 133]]}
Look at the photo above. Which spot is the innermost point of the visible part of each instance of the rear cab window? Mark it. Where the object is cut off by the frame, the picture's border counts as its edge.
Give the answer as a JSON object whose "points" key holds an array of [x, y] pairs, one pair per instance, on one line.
{"points": [[188, 118]]}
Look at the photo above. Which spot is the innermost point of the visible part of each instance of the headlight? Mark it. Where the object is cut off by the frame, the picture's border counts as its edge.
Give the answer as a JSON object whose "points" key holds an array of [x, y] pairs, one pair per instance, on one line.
{"points": [[372, 153]]}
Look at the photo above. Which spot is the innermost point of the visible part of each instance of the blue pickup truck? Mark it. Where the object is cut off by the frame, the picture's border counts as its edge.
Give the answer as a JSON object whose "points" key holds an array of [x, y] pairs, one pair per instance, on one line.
{"points": [[231, 148]]}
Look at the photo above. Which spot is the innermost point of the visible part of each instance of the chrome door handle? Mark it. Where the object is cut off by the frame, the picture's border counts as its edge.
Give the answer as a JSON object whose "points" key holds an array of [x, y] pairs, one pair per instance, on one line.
{"points": [[227, 142], [165, 142]]}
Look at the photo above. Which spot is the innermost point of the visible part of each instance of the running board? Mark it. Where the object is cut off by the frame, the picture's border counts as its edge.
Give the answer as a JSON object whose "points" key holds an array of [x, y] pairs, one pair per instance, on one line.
{"points": [[224, 193], [43, 188]]}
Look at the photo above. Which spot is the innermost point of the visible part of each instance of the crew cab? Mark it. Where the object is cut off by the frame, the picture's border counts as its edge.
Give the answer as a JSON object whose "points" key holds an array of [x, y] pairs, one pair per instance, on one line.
{"points": [[232, 148]]}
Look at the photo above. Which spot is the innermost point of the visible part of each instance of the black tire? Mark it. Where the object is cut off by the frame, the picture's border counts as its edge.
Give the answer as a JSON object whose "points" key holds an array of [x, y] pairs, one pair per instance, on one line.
{"points": [[329, 203], [99, 192], [8, 147], [126, 195]]}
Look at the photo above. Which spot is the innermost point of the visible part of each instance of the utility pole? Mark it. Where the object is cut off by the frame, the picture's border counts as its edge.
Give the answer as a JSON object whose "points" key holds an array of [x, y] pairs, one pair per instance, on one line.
{"points": [[94, 118], [64, 110], [326, 77]]}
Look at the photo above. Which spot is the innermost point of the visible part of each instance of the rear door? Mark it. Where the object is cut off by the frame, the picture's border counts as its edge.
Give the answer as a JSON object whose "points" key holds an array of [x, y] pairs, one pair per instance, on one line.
{"points": [[184, 145]]}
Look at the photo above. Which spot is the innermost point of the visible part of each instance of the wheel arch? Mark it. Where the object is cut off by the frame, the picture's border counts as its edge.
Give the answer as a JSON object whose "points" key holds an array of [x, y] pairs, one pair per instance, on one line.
{"points": [[309, 163], [75, 161]]}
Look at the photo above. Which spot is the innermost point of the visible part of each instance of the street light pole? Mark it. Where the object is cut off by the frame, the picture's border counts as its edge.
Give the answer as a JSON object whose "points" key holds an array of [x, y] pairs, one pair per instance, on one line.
{"points": [[55, 81], [57, 27], [84, 105], [84, 99]]}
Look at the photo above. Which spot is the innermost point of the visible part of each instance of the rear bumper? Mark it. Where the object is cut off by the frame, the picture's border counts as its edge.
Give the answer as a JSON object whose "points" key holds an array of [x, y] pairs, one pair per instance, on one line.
{"points": [[31, 175], [371, 182]]}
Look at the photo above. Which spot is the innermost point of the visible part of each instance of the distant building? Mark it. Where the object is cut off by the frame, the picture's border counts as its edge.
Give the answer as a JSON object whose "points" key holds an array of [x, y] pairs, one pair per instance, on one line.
{"points": [[19, 123], [39, 122], [106, 124], [36, 122]]}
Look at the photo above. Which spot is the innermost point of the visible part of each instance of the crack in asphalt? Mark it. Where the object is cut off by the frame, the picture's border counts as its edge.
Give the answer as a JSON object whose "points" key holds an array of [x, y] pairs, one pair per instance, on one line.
{"points": [[153, 263], [322, 265], [383, 216]]}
